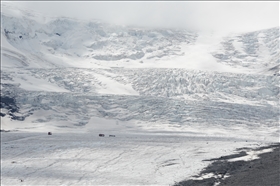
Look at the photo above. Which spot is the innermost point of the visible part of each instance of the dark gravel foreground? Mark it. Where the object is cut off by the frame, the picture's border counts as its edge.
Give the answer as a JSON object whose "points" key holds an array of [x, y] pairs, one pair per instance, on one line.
{"points": [[259, 172]]}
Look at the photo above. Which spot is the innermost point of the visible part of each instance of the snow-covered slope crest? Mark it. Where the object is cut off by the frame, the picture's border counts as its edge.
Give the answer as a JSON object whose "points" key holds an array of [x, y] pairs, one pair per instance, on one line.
{"points": [[31, 40], [255, 50], [59, 41]]}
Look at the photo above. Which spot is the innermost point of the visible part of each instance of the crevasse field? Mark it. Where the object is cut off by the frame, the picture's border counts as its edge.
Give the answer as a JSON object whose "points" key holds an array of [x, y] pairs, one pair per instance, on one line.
{"points": [[172, 98]]}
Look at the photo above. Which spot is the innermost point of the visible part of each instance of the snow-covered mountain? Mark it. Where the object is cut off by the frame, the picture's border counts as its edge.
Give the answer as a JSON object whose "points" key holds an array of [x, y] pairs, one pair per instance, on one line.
{"points": [[173, 97], [58, 41], [94, 69], [259, 49]]}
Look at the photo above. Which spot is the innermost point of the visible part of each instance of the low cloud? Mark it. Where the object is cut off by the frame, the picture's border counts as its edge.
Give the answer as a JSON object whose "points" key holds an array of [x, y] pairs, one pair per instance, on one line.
{"points": [[209, 16]]}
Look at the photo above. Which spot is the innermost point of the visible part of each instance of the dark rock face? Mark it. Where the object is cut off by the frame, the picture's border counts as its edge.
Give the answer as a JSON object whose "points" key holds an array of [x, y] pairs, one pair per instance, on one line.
{"points": [[263, 171], [258, 172], [9, 103]]}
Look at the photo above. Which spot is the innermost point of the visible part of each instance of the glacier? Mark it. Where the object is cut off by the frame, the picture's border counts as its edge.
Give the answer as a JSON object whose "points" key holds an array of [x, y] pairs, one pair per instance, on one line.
{"points": [[172, 98]]}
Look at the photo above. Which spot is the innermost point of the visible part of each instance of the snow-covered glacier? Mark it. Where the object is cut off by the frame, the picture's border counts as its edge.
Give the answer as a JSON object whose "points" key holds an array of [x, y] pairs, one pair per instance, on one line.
{"points": [[165, 95], [172, 97]]}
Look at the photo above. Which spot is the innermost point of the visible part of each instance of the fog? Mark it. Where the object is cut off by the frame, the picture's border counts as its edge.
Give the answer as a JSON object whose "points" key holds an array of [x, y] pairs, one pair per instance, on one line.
{"points": [[205, 16]]}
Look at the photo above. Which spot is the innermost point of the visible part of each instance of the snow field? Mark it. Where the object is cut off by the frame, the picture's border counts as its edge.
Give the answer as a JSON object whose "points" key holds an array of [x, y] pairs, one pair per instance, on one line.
{"points": [[127, 159]]}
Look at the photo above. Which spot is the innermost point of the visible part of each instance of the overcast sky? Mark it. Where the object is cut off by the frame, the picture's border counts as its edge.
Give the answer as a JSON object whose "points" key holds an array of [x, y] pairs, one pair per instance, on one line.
{"points": [[217, 16]]}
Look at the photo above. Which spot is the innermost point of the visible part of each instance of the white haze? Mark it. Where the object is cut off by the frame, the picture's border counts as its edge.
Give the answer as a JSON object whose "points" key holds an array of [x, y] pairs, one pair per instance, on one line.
{"points": [[207, 16]]}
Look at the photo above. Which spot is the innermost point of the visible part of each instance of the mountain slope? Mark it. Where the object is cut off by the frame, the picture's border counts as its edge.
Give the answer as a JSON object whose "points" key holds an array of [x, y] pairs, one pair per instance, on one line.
{"points": [[58, 41], [64, 71], [168, 96], [256, 50]]}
